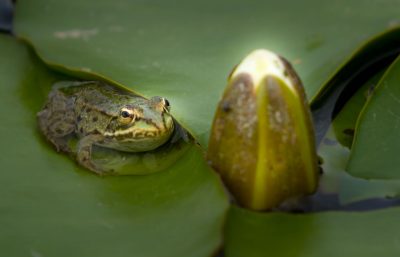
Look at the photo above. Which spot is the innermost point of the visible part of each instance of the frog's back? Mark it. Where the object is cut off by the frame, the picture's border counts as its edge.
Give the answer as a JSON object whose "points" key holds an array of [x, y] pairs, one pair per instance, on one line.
{"points": [[93, 91], [96, 95], [95, 104]]}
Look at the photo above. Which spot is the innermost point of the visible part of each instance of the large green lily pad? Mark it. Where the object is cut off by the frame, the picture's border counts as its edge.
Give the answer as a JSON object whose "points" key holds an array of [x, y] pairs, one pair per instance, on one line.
{"points": [[366, 234], [335, 152], [51, 207], [375, 151]]}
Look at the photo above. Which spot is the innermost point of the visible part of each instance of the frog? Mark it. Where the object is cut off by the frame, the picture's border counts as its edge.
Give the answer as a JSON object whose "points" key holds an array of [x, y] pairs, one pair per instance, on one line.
{"points": [[101, 115]]}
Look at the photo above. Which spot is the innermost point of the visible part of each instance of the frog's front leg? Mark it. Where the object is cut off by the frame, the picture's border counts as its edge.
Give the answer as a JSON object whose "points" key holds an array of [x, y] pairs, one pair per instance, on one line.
{"points": [[84, 152]]}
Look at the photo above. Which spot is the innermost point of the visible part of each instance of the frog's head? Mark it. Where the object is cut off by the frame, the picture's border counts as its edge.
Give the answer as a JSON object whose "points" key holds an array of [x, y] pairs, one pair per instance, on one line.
{"points": [[140, 126]]}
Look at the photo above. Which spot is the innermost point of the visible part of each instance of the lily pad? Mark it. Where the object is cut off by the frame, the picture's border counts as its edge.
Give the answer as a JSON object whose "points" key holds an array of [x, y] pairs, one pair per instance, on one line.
{"points": [[349, 189], [377, 141], [366, 234], [335, 152], [51, 207]]}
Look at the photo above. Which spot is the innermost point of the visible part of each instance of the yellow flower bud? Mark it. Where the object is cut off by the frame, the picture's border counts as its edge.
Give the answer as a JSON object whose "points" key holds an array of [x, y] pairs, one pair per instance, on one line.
{"points": [[262, 139]]}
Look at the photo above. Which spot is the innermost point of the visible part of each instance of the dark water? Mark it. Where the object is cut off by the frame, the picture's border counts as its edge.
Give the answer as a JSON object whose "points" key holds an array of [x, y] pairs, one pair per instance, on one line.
{"points": [[6, 16]]}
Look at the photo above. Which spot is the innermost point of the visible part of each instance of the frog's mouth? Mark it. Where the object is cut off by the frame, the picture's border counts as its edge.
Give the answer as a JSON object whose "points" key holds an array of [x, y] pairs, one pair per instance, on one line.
{"points": [[142, 136], [133, 133], [137, 140], [142, 129]]}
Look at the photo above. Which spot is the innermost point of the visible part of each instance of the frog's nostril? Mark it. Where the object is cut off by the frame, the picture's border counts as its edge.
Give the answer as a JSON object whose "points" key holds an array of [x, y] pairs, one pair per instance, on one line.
{"points": [[166, 102]]}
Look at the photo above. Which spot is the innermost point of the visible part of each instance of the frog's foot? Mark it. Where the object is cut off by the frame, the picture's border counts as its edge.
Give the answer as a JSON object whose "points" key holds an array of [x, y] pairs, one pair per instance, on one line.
{"points": [[85, 161], [84, 154], [60, 138], [57, 126], [61, 144]]}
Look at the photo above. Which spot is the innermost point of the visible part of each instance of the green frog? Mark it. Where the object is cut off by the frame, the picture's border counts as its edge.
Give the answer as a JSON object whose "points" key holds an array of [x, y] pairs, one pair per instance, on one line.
{"points": [[98, 114]]}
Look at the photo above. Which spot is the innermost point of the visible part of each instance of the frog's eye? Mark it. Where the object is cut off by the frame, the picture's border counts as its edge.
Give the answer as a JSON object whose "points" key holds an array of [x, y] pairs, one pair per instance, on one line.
{"points": [[126, 116], [166, 102]]}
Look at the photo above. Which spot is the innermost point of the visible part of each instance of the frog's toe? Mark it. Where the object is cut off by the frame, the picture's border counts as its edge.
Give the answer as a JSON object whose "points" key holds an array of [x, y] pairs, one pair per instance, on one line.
{"points": [[90, 165], [61, 145]]}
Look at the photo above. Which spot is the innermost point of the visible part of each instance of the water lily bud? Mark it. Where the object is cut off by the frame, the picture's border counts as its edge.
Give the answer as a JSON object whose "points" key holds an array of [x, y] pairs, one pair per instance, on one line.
{"points": [[262, 139]]}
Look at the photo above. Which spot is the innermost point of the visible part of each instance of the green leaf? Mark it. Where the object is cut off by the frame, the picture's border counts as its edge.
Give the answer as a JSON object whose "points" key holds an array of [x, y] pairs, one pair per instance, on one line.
{"points": [[377, 143], [336, 181], [51, 207], [366, 234], [335, 152]]}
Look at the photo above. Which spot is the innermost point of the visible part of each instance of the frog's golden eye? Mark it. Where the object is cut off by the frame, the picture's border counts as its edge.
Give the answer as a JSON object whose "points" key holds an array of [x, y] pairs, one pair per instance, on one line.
{"points": [[126, 116]]}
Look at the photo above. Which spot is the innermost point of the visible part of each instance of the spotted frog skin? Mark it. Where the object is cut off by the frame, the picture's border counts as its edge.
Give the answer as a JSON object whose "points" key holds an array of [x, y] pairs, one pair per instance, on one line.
{"points": [[101, 115]]}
